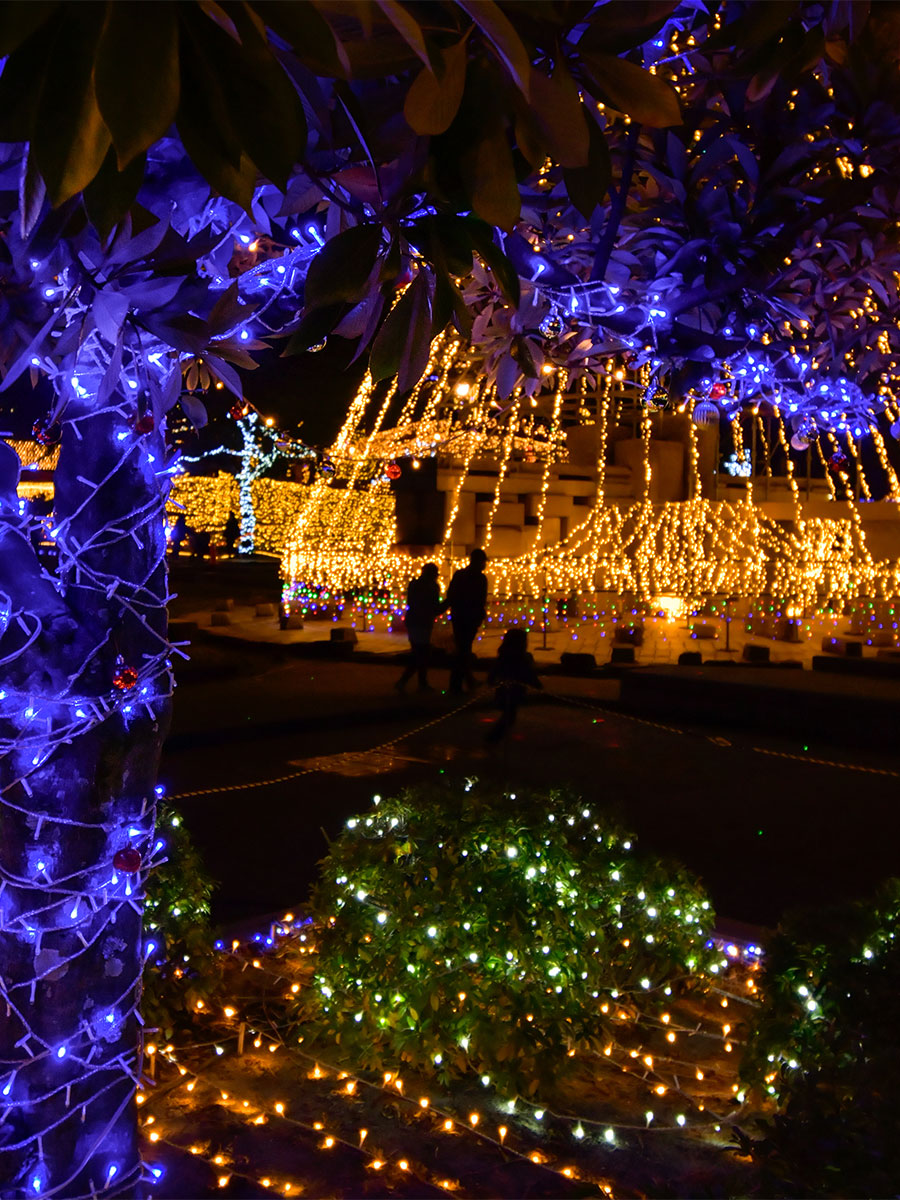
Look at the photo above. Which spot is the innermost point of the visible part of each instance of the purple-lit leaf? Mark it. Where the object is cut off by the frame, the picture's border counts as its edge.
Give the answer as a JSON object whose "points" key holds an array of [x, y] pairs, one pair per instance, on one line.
{"points": [[195, 411], [32, 193], [109, 309], [226, 373]]}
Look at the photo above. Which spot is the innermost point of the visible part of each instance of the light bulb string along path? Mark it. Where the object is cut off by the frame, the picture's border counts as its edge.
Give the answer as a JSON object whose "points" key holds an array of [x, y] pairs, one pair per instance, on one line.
{"points": [[257, 1113], [449, 1123]]}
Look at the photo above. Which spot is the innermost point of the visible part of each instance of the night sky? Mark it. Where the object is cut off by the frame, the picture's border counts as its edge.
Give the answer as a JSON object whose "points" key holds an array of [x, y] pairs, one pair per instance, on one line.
{"points": [[314, 389]]}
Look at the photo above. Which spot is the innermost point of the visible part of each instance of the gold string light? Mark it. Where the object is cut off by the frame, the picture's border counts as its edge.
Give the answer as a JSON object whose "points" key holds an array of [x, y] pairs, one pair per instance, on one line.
{"points": [[634, 559]]}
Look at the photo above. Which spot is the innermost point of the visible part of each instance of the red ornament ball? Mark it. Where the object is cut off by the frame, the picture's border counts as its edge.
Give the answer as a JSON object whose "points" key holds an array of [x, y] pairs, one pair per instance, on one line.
{"points": [[128, 860], [48, 434], [144, 424], [237, 411], [125, 677], [718, 390], [837, 461], [393, 471]]}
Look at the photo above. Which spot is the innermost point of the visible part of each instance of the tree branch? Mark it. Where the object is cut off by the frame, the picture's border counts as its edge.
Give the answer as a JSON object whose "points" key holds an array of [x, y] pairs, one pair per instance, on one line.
{"points": [[616, 208]]}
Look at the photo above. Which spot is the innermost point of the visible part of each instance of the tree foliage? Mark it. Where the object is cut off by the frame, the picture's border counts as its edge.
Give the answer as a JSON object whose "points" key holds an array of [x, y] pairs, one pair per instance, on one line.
{"points": [[464, 930], [658, 148], [181, 969], [824, 1046]]}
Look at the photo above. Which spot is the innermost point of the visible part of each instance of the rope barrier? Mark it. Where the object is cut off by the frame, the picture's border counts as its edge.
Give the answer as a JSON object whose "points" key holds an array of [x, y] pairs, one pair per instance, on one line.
{"points": [[570, 700], [259, 783], [726, 744]]}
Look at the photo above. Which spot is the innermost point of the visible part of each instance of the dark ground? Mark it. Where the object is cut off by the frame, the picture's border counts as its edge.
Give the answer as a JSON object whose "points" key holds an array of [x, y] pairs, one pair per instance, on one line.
{"points": [[764, 832]]}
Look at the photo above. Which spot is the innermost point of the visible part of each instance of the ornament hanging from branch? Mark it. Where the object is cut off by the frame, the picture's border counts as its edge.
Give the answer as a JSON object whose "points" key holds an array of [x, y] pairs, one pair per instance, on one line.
{"points": [[128, 860], [551, 326], [125, 677], [47, 433], [808, 428], [705, 413], [656, 398]]}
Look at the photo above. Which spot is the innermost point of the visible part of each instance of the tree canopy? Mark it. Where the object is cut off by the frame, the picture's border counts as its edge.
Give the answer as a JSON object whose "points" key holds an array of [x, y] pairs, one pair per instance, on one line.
{"points": [[705, 187]]}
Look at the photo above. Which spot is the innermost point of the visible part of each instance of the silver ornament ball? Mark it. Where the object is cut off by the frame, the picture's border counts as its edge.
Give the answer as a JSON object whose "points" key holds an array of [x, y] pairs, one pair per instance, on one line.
{"points": [[705, 413]]}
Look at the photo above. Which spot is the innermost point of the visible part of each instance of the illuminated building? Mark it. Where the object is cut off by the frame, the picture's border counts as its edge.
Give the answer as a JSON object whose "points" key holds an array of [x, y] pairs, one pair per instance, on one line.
{"points": [[599, 504]]}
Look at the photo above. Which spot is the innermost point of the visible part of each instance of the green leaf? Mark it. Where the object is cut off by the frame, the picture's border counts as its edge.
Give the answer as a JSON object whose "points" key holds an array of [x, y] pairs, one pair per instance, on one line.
{"points": [[314, 326], [341, 269], [531, 141], [446, 240], [21, 82], [621, 25], [70, 139], [644, 97], [557, 107], [265, 109], [19, 21], [406, 25], [588, 185], [402, 345], [490, 178], [308, 33], [523, 354], [449, 302], [759, 24], [136, 75], [497, 28], [205, 126], [111, 193], [433, 100]]}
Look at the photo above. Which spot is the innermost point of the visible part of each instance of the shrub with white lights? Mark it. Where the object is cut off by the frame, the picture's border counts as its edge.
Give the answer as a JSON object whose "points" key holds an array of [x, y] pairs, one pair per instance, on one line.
{"points": [[468, 930], [183, 967], [824, 1047]]}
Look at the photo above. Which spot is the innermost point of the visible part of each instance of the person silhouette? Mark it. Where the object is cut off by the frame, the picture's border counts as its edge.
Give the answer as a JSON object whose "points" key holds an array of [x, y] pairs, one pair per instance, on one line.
{"points": [[232, 532], [512, 672], [466, 599], [179, 533], [423, 603]]}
